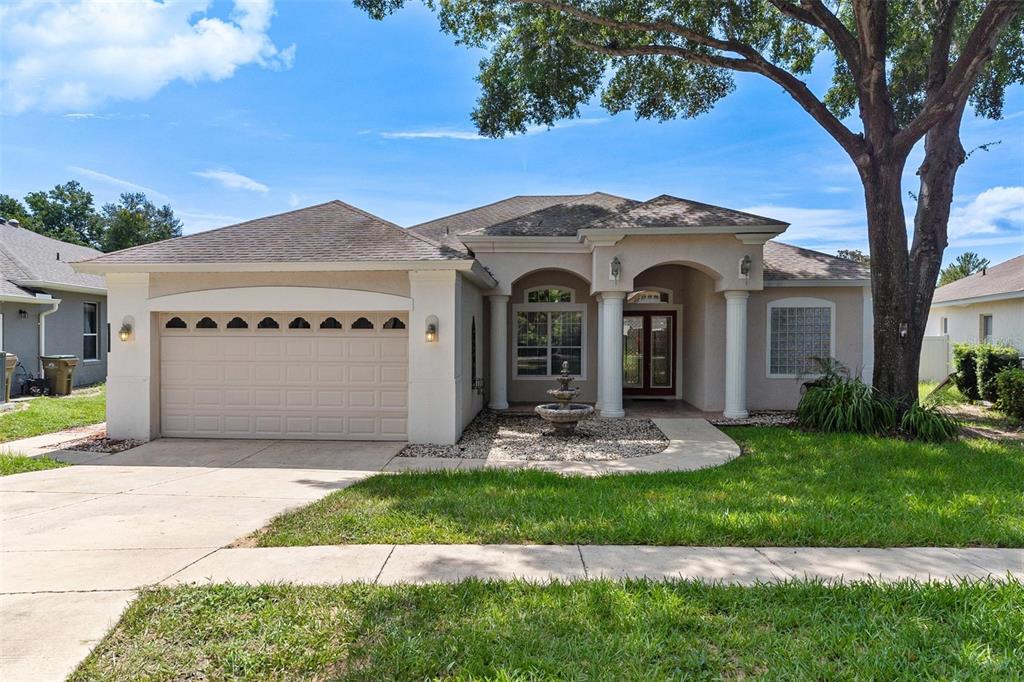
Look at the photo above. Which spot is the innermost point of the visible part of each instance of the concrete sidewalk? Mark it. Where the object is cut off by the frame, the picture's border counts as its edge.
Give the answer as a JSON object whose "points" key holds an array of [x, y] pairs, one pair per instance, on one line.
{"points": [[388, 564]]}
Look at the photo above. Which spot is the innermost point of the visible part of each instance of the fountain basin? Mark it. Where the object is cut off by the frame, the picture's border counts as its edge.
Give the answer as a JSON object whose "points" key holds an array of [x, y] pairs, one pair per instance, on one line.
{"points": [[564, 417]]}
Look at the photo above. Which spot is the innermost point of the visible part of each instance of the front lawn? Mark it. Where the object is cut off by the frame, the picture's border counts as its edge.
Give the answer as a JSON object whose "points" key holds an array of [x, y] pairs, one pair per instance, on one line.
{"points": [[18, 464], [47, 415], [790, 489], [583, 630]]}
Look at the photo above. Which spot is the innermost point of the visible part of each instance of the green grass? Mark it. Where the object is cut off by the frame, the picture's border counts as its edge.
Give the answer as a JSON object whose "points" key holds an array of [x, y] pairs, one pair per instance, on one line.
{"points": [[584, 630], [791, 488], [17, 464], [46, 415]]}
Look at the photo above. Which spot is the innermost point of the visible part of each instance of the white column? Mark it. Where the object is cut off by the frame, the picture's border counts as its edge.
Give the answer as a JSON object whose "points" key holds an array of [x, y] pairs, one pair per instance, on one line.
{"points": [[610, 350], [599, 405], [736, 354], [499, 352], [133, 398]]}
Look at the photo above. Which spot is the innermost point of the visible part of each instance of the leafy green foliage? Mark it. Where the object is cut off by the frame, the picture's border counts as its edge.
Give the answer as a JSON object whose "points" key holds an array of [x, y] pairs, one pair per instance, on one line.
{"points": [[846, 405], [790, 488], [11, 464], [965, 364], [856, 255], [928, 423], [1010, 392], [990, 361], [511, 631], [966, 264], [66, 212]]}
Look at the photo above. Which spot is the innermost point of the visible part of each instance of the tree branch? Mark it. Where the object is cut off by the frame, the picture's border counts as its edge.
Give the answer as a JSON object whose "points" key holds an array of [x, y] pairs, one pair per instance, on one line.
{"points": [[977, 51], [815, 13]]}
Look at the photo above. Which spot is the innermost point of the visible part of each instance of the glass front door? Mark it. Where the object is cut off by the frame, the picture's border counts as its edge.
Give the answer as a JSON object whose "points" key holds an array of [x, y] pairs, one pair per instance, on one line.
{"points": [[648, 353]]}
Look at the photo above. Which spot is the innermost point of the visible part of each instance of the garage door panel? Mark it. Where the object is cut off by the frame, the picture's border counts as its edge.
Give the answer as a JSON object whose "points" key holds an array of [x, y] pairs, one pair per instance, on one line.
{"points": [[285, 383]]}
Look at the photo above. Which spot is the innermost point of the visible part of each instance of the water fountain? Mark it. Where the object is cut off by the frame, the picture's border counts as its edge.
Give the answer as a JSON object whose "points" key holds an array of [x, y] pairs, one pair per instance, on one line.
{"points": [[564, 414]]}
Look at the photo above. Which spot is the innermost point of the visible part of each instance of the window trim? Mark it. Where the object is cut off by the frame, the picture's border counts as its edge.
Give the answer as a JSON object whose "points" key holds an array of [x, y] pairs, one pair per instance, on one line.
{"points": [[944, 326], [796, 302], [99, 351], [981, 327], [527, 292], [547, 308]]}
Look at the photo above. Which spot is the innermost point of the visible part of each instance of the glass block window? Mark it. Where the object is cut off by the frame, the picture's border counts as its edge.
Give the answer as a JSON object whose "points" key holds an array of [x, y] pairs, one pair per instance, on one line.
{"points": [[798, 334], [547, 338]]}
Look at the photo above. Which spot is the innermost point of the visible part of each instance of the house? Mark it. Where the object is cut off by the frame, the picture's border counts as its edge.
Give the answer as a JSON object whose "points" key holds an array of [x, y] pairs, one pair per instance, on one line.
{"points": [[329, 322], [47, 308], [987, 306]]}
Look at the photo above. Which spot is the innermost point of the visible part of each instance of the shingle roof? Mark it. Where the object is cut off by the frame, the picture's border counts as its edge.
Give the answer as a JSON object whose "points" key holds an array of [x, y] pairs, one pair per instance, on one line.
{"points": [[559, 220], [670, 211], [29, 256], [1005, 278], [333, 231], [788, 262], [447, 228]]}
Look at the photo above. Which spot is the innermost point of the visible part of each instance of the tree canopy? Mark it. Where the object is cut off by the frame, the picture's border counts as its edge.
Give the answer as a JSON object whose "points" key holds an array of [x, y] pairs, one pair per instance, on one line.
{"points": [[967, 263], [67, 213]]}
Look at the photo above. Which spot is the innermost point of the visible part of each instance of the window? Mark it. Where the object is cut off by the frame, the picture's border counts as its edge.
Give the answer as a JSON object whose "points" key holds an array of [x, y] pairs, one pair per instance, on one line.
{"points": [[330, 323], [268, 323], [649, 296], [237, 323], [547, 294], [799, 331], [986, 329], [298, 323], [175, 323], [362, 323], [90, 332], [547, 338], [206, 323], [394, 323], [944, 325]]}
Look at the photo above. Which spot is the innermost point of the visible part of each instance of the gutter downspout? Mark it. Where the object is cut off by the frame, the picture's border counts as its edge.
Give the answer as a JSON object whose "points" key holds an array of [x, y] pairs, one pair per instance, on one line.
{"points": [[55, 303]]}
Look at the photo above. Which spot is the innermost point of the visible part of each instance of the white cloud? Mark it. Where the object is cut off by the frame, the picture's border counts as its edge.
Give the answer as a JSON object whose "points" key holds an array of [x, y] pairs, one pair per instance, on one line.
{"points": [[74, 55], [232, 180], [293, 199], [446, 134], [817, 225], [118, 182], [996, 213]]}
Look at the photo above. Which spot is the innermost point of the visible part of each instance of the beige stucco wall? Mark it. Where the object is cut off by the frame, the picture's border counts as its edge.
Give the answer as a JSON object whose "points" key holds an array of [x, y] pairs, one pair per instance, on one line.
{"points": [[387, 282], [534, 389], [965, 322], [780, 394]]}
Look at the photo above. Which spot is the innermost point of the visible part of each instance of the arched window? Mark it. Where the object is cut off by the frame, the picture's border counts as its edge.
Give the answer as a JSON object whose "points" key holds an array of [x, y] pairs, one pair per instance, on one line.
{"points": [[298, 323], [651, 295], [550, 294], [331, 323], [237, 323], [206, 323], [394, 323], [268, 323], [176, 323], [362, 323]]}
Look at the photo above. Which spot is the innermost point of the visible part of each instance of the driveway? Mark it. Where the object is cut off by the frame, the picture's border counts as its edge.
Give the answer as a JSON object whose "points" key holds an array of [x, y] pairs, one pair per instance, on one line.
{"points": [[77, 542]]}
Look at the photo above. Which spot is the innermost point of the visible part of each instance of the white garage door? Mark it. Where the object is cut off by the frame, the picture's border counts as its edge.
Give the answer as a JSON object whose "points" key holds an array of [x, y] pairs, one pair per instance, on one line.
{"points": [[284, 375]]}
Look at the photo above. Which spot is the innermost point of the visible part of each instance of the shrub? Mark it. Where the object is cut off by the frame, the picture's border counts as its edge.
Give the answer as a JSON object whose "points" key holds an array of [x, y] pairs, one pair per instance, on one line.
{"points": [[846, 405], [966, 375], [990, 361], [929, 423], [1010, 392]]}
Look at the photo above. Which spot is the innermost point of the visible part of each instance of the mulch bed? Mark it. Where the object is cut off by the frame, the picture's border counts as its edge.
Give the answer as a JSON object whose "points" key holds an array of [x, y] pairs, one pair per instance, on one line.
{"points": [[100, 443]]}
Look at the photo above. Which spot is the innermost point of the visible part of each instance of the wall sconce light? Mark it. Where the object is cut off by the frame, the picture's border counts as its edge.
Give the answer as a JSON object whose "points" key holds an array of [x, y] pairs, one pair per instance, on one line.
{"points": [[23, 314], [615, 268], [432, 329], [745, 264], [125, 332]]}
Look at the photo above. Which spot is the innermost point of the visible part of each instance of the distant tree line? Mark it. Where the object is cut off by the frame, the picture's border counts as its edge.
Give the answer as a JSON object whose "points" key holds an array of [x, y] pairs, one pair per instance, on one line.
{"points": [[67, 213]]}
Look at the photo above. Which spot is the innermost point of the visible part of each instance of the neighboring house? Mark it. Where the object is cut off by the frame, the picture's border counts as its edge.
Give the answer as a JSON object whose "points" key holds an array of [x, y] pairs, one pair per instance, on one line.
{"points": [[987, 306], [328, 322], [46, 308]]}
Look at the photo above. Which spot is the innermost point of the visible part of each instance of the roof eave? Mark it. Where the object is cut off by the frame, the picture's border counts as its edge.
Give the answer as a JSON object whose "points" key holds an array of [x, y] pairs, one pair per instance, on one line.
{"points": [[61, 286], [773, 230], [522, 244], [986, 298], [817, 282], [100, 267]]}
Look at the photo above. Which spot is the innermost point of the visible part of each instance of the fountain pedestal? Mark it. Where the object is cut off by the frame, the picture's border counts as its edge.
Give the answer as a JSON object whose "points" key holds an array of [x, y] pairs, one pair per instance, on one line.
{"points": [[564, 414]]}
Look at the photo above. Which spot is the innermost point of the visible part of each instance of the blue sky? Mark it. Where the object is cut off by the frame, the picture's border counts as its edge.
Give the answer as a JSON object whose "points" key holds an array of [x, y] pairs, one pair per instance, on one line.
{"points": [[229, 112]]}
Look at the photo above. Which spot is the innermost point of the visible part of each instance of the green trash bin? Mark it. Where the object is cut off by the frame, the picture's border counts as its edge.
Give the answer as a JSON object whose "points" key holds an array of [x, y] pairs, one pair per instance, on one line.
{"points": [[59, 372], [10, 362]]}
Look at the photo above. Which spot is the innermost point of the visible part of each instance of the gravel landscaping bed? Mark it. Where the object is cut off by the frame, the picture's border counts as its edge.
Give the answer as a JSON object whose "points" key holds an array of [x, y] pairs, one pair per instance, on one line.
{"points": [[530, 438], [759, 419], [102, 444]]}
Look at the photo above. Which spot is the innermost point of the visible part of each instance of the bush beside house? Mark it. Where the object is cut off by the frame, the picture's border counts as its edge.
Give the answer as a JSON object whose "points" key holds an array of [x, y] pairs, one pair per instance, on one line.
{"points": [[989, 362], [1010, 392], [966, 375]]}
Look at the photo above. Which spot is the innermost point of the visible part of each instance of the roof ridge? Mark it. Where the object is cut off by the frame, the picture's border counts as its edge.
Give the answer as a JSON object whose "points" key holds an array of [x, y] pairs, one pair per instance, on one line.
{"points": [[388, 223], [574, 197], [724, 208], [493, 203]]}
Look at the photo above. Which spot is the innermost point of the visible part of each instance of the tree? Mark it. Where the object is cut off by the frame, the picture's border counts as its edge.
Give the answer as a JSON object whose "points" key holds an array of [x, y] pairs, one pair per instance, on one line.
{"points": [[967, 263], [12, 209], [65, 212], [856, 255], [906, 68], [135, 220]]}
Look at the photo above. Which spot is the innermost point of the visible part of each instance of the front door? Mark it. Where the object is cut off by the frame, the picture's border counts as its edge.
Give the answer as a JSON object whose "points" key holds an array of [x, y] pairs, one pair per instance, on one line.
{"points": [[648, 352]]}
